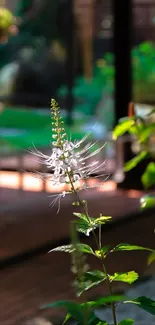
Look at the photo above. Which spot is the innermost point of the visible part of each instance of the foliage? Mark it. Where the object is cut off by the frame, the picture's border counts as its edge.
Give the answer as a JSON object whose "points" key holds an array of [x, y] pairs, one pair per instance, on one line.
{"points": [[85, 278], [148, 177], [88, 94], [151, 258], [142, 128], [124, 126], [135, 161], [128, 277], [127, 322], [6, 18]]}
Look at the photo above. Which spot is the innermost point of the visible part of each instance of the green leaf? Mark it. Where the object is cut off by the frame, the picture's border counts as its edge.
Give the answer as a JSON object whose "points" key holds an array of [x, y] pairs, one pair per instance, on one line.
{"points": [[102, 322], [127, 321], [77, 311], [148, 178], [128, 247], [147, 132], [91, 279], [84, 248], [102, 253], [123, 127], [65, 248], [81, 216], [151, 258], [68, 316], [85, 225], [93, 319], [144, 303], [95, 275], [96, 321], [134, 130], [147, 201], [74, 309], [145, 47], [105, 300], [128, 277], [135, 161], [102, 220]]}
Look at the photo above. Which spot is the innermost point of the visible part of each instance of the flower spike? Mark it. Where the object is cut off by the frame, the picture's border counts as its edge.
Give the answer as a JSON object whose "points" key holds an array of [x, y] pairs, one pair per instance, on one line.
{"points": [[69, 162]]}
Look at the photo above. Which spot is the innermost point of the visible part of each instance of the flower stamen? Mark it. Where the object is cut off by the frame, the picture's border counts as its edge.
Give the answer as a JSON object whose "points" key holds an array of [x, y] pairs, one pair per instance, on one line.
{"points": [[68, 162]]}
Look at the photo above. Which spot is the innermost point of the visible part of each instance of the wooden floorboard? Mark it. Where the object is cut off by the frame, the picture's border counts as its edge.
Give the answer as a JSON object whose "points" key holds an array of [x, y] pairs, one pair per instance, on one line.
{"points": [[31, 222], [48, 277], [27, 220]]}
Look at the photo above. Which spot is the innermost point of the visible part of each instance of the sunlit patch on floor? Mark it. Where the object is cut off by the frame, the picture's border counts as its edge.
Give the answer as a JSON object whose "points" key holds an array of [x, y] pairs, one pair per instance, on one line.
{"points": [[28, 182]]}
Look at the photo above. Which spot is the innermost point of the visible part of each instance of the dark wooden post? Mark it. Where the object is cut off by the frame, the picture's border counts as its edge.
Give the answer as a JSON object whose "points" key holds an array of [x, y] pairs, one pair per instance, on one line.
{"points": [[122, 12], [70, 66]]}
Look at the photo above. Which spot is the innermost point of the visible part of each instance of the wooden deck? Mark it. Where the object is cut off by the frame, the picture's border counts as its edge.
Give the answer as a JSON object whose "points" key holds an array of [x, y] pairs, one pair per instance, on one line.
{"points": [[28, 221]]}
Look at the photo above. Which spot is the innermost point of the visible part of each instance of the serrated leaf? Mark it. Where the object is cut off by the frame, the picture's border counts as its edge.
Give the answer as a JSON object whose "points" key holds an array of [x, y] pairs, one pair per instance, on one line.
{"points": [[74, 309], [128, 277], [127, 321], [64, 248], [128, 247], [135, 161], [84, 248], [91, 279], [102, 253], [81, 216], [83, 227], [144, 303], [123, 127], [151, 258]]}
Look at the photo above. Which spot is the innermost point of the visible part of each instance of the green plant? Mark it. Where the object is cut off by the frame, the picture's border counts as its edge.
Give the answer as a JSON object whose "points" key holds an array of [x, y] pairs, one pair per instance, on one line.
{"points": [[142, 130], [89, 94], [7, 20], [70, 165], [143, 69]]}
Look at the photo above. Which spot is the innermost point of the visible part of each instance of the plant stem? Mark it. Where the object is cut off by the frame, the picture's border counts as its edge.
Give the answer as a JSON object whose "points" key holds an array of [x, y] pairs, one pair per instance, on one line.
{"points": [[110, 290], [99, 245], [107, 277]]}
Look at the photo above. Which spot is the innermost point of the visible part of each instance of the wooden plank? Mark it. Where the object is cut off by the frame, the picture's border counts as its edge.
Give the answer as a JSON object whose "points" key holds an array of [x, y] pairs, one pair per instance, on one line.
{"points": [[48, 278], [30, 221]]}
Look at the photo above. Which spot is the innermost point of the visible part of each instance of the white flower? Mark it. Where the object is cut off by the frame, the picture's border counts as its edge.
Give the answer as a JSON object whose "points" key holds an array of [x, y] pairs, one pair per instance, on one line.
{"points": [[70, 163], [57, 198]]}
